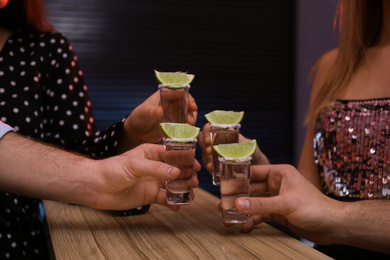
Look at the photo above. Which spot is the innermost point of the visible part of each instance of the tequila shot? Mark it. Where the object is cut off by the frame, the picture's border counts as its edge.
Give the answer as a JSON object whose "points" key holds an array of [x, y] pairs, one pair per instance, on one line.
{"points": [[235, 179], [222, 134], [181, 154], [174, 101]]}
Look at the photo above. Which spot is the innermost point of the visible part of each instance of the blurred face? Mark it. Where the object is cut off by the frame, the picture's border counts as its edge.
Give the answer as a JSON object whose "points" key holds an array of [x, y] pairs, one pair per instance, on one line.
{"points": [[3, 3]]}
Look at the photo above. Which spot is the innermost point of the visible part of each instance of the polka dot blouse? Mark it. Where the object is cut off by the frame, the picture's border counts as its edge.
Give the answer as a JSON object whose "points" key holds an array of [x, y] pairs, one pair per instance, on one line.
{"points": [[43, 96]]}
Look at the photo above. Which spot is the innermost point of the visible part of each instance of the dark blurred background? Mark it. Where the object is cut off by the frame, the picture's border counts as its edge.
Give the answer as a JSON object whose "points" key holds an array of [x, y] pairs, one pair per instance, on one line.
{"points": [[243, 53]]}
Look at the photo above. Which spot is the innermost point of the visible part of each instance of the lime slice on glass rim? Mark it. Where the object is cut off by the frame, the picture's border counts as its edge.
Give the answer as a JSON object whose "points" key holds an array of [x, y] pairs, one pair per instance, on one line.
{"points": [[236, 150], [224, 117], [179, 130], [174, 79]]}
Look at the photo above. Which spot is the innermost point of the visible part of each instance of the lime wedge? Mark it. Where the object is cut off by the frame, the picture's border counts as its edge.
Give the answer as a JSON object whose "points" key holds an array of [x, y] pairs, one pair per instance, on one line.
{"points": [[224, 117], [236, 150], [179, 131], [174, 79]]}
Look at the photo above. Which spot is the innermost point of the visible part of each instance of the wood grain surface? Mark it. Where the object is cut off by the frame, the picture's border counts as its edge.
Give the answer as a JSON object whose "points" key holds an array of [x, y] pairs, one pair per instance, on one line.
{"points": [[195, 232]]}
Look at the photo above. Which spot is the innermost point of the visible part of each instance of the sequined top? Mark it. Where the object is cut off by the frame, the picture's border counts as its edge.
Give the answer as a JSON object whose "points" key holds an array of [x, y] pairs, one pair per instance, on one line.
{"points": [[351, 149]]}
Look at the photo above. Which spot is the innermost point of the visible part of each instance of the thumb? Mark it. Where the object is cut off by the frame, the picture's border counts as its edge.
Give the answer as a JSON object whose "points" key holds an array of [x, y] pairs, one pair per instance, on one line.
{"points": [[153, 111], [258, 205], [158, 113]]}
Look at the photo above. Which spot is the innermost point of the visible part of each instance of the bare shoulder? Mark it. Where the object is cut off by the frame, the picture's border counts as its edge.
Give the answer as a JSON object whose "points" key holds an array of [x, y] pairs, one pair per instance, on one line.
{"points": [[328, 59], [322, 69], [324, 64]]}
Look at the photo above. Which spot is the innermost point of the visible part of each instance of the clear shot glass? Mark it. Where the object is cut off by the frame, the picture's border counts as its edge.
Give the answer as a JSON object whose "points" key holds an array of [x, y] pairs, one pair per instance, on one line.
{"points": [[174, 101], [222, 134], [181, 154], [235, 179]]}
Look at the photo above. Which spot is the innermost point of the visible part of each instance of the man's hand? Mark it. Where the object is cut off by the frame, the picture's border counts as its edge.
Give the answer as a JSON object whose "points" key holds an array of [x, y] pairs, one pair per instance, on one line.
{"points": [[137, 178]]}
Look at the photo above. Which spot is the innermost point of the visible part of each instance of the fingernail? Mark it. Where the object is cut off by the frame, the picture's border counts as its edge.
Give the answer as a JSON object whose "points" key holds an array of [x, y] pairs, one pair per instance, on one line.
{"points": [[170, 172], [244, 204]]}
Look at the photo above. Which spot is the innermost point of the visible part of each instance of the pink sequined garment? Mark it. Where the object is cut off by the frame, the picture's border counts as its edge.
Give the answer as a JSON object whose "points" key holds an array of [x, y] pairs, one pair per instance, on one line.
{"points": [[351, 148]]}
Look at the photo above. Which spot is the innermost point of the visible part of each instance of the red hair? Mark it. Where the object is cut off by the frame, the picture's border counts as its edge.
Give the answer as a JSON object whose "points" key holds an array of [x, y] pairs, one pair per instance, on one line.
{"points": [[24, 14]]}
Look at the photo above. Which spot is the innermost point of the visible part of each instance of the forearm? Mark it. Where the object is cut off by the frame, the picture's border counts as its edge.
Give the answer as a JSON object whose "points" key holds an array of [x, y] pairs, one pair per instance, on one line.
{"points": [[36, 170], [364, 224]]}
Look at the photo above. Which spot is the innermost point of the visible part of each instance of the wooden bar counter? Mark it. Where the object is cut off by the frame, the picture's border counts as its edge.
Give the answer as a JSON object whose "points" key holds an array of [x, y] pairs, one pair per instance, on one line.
{"points": [[195, 232]]}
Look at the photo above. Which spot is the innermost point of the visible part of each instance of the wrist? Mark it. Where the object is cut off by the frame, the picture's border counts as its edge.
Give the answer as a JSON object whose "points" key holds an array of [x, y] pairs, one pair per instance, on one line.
{"points": [[88, 182], [339, 220]]}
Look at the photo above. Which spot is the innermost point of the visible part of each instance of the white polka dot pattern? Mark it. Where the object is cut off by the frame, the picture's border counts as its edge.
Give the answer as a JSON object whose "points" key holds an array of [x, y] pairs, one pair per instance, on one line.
{"points": [[43, 96]]}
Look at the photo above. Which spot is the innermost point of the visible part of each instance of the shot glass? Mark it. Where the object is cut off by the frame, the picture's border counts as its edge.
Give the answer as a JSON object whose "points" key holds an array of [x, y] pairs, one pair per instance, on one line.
{"points": [[181, 154], [174, 102], [222, 134], [235, 178]]}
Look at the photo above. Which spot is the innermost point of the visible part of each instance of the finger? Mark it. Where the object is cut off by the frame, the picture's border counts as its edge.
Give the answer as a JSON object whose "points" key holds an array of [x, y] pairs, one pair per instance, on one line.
{"points": [[197, 166], [200, 139], [158, 114], [206, 134], [192, 117], [242, 138], [205, 143], [228, 202], [262, 172], [258, 173], [150, 107], [192, 113], [233, 186], [208, 166], [251, 222], [154, 152], [204, 139], [207, 151], [207, 162], [228, 224], [195, 116], [195, 181], [220, 206], [224, 223], [259, 205], [192, 103], [258, 189], [161, 199], [151, 165], [158, 170]]}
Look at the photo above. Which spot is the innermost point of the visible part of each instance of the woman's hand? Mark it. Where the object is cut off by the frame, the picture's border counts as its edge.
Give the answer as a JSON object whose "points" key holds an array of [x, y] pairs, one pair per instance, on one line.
{"points": [[143, 124], [204, 140]]}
